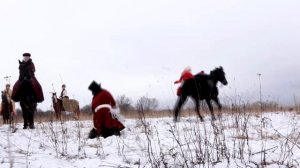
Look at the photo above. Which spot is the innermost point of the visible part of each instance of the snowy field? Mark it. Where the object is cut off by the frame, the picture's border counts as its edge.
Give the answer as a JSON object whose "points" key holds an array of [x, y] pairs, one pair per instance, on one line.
{"points": [[235, 140]]}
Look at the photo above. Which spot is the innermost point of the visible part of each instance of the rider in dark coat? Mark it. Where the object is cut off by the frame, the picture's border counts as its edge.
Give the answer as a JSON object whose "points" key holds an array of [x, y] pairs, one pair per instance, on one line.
{"points": [[27, 70], [106, 120], [27, 91]]}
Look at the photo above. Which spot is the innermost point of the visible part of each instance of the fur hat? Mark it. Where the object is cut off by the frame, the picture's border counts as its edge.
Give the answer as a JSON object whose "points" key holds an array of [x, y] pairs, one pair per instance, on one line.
{"points": [[95, 87], [26, 55]]}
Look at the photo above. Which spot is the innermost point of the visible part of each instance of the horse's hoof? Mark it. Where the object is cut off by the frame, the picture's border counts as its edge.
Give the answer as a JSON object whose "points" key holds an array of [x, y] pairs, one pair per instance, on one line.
{"points": [[32, 127], [214, 119]]}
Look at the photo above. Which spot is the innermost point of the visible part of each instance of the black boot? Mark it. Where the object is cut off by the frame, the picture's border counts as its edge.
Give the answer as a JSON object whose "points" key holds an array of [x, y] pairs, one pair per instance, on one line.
{"points": [[93, 134]]}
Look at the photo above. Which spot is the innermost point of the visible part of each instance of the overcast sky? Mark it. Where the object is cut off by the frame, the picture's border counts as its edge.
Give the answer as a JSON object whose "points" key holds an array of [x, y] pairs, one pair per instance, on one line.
{"points": [[139, 48]]}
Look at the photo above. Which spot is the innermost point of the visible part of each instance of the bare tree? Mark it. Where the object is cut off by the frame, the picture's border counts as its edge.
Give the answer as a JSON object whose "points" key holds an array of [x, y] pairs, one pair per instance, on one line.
{"points": [[146, 104], [87, 109], [124, 103]]}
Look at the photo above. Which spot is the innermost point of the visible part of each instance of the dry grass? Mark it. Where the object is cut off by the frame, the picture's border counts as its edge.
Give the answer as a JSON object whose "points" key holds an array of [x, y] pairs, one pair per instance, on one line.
{"points": [[50, 115]]}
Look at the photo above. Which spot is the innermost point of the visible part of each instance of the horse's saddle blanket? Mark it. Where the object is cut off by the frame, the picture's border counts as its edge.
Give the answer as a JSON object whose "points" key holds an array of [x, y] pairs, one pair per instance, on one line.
{"points": [[69, 104]]}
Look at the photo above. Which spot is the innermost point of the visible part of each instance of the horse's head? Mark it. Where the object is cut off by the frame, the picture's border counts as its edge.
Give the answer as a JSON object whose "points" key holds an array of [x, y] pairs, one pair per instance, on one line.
{"points": [[3, 96], [219, 75], [54, 97]]}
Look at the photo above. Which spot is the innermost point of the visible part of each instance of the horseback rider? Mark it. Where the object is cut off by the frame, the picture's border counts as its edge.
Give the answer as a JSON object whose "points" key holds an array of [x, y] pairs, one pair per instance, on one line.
{"points": [[8, 92], [26, 75], [27, 90], [7, 107], [185, 75], [64, 98], [106, 117], [63, 93]]}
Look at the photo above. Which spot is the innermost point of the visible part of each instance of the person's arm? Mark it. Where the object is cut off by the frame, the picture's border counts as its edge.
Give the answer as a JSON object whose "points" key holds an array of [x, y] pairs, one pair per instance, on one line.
{"points": [[31, 69], [113, 102], [179, 80]]}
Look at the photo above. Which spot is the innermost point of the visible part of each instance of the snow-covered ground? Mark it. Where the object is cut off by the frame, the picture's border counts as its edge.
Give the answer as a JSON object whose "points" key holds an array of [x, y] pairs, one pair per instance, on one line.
{"points": [[235, 140]]}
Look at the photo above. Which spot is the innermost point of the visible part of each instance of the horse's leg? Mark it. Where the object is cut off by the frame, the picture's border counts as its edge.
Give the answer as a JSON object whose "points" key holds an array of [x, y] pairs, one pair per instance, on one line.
{"points": [[210, 109], [59, 115], [77, 112], [197, 108], [25, 114], [57, 112], [5, 114], [31, 112], [179, 103], [10, 119], [216, 100]]}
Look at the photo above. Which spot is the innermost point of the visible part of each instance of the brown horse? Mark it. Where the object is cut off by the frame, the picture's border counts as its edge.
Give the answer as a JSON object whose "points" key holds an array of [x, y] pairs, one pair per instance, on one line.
{"points": [[69, 105]]}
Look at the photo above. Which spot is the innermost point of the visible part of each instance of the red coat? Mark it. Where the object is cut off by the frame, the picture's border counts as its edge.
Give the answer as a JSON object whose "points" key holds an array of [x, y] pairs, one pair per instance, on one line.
{"points": [[185, 76], [104, 123]]}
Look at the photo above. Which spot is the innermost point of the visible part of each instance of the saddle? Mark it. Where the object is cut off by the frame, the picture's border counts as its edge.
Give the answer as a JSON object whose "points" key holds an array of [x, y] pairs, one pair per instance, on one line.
{"points": [[68, 104]]}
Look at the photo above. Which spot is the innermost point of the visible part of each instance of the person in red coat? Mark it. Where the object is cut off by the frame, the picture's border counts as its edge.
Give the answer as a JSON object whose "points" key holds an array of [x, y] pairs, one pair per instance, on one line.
{"points": [[185, 75], [106, 118]]}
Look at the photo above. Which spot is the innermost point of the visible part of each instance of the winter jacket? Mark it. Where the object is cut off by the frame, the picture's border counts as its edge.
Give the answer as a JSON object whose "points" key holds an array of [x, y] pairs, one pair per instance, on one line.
{"points": [[105, 124], [185, 75], [64, 94]]}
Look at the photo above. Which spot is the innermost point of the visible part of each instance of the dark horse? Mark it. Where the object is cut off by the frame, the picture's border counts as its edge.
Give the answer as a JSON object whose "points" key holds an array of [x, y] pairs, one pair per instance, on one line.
{"points": [[28, 92], [28, 104], [202, 87], [7, 109]]}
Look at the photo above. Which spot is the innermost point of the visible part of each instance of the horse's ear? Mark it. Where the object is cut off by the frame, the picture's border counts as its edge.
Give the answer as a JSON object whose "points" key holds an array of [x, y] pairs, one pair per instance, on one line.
{"points": [[221, 67], [20, 62]]}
